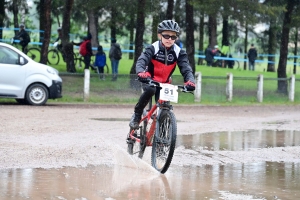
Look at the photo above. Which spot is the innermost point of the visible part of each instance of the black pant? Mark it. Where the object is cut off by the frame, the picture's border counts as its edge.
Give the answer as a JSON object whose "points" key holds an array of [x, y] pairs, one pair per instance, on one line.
{"points": [[145, 98], [87, 61]]}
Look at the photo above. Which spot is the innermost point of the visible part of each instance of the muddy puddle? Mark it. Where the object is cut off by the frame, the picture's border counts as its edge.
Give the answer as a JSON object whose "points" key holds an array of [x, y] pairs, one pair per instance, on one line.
{"points": [[135, 179]]}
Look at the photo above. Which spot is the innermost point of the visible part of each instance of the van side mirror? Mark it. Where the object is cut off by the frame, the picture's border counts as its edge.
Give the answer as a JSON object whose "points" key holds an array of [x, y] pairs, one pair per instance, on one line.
{"points": [[21, 61]]}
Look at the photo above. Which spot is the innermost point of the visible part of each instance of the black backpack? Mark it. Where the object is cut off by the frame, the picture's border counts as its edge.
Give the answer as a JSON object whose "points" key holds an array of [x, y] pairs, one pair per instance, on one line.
{"points": [[118, 55], [26, 38]]}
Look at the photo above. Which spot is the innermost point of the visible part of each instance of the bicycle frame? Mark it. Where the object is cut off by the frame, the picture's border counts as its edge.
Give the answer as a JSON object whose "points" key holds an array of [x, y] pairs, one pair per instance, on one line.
{"points": [[154, 111]]}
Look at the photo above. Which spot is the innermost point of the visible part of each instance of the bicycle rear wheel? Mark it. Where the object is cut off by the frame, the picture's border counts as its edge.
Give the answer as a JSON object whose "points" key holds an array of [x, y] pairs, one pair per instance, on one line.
{"points": [[52, 57], [34, 54], [79, 64], [164, 142], [138, 148], [106, 69]]}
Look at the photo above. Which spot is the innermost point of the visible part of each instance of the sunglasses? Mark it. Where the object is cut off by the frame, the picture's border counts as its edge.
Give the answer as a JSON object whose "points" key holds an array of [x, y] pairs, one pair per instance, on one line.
{"points": [[173, 37]]}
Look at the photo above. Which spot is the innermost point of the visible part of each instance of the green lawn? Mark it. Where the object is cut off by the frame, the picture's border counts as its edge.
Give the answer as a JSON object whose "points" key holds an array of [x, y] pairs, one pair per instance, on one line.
{"points": [[213, 88]]}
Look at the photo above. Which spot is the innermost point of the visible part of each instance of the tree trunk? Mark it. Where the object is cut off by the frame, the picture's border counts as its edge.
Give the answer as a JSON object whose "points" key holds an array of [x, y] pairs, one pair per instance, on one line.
{"points": [[201, 40], [2, 11], [245, 46], [140, 28], [170, 9], [131, 36], [155, 22], [281, 72], [212, 30], [113, 30], [93, 27], [190, 45], [295, 51], [47, 30], [15, 14], [271, 47], [225, 32], [42, 19], [66, 24], [66, 27]]}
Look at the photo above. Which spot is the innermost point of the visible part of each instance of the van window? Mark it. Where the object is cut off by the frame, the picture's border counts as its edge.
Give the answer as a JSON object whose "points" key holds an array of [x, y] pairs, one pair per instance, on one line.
{"points": [[8, 56]]}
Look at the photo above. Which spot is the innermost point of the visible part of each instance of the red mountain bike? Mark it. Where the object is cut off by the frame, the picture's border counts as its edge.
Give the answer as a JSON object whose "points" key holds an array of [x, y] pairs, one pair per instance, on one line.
{"points": [[157, 128]]}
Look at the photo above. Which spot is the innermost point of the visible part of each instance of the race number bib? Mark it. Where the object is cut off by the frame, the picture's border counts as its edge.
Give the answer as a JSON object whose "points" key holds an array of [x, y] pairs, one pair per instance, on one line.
{"points": [[168, 92]]}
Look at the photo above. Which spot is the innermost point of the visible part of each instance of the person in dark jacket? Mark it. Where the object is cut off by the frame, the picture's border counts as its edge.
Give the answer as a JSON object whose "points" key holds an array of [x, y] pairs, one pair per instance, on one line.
{"points": [[209, 56], [115, 55], [24, 37], [252, 55], [89, 51], [158, 62]]}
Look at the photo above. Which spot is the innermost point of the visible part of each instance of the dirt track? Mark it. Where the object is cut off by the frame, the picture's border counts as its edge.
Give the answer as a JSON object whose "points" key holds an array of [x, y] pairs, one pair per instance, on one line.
{"points": [[58, 135]]}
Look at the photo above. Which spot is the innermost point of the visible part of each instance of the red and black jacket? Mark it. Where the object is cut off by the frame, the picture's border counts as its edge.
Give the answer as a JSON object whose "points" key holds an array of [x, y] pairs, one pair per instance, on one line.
{"points": [[160, 62]]}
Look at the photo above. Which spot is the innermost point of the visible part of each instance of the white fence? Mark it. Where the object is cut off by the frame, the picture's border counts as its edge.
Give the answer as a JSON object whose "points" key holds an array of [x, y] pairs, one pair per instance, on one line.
{"points": [[229, 88]]}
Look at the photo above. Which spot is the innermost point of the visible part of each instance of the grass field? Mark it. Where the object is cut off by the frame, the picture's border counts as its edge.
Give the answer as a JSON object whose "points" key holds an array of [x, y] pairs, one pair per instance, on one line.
{"points": [[213, 86]]}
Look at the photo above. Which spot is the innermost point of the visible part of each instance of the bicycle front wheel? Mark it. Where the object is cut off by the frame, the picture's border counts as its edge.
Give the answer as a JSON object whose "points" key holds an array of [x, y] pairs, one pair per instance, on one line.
{"points": [[52, 57], [34, 54], [138, 148], [164, 141]]}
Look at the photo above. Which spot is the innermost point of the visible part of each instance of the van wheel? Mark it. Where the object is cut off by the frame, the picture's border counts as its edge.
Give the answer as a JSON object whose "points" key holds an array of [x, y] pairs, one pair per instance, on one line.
{"points": [[37, 95]]}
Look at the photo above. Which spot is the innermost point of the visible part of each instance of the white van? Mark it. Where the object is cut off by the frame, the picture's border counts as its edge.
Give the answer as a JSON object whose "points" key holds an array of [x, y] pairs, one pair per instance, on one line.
{"points": [[25, 80]]}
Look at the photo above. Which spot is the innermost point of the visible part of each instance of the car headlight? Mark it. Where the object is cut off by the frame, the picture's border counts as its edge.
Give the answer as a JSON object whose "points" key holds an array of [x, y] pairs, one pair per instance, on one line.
{"points": [[52, 70]]}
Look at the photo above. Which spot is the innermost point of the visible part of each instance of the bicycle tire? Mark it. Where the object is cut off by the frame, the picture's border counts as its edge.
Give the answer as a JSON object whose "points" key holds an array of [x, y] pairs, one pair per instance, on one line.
{"points": [[138, 148], [237, 63], [79, 64], [106, 69], [164, 141], [53, 57], [34, 54]]}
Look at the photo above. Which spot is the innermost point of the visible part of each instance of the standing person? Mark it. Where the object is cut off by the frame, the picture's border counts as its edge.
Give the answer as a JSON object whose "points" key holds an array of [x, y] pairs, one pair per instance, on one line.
{"points": [[216, 52], [85, 49], [59, 43], [24, 37], [115, 55], [158, 62], [252, 55], [100, 61], [209, 56]]}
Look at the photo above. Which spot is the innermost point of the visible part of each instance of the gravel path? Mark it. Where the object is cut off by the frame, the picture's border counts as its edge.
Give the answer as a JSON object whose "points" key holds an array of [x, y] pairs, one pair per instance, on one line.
{"points": [[59, 135]]}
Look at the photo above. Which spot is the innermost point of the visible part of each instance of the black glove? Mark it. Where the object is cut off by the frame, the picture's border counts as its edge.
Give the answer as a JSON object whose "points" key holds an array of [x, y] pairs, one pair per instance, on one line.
{"points": [[190, 86]]}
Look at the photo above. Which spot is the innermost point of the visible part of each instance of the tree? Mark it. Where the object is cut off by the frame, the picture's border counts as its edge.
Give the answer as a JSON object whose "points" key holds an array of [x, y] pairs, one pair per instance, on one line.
{"points": [[2, 16], [46, 4], [170, 9], [140, 27], [281, 72], [190, 45], [66, 26]]}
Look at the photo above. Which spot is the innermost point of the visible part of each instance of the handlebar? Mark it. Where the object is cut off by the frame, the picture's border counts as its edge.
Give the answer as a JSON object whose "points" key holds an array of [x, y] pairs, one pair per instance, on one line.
{"points": [[153, 83]]}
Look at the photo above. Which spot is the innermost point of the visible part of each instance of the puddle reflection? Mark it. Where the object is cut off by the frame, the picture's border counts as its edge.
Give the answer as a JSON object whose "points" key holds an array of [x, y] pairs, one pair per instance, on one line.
{"points": [[240, 140], [261, 181]]}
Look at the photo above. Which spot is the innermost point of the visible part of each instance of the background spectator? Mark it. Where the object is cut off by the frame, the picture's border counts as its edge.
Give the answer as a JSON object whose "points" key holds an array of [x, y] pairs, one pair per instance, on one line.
{"points": [[252, 55]]}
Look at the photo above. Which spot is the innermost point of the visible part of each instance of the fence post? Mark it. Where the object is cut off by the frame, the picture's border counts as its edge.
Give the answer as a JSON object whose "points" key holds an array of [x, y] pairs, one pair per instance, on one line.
{"points": [[260, 88], [292, 88], [86, 89], [198, 87], [229, 86]]}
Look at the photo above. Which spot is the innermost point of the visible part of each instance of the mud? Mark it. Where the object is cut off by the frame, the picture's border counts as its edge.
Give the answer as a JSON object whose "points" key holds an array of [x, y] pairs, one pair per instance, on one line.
{"points": [[79, 152]]}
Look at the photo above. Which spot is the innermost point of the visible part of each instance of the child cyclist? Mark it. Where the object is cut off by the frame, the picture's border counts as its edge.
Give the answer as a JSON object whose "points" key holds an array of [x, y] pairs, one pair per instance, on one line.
{"points": [[158, 62]]}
